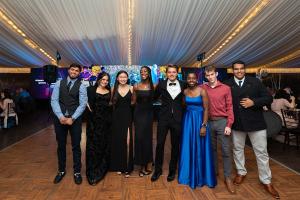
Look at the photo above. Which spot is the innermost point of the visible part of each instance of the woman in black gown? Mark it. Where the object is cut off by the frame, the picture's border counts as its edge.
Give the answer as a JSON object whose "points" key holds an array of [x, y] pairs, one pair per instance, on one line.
{"points": [[98, 129], [122, 145], [143, 121]]}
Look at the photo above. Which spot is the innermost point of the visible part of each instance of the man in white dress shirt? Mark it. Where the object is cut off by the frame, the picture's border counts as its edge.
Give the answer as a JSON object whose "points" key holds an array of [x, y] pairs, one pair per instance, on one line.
{"points": [[170, 92]]}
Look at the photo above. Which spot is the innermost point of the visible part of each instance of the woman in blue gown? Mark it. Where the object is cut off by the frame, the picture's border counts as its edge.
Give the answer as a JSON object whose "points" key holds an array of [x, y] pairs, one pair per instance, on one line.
{"points": [[196, 167]]}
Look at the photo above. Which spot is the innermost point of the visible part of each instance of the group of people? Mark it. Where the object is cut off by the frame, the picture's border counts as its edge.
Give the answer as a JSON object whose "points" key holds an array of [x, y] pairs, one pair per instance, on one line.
{"points": [[197, 117]]}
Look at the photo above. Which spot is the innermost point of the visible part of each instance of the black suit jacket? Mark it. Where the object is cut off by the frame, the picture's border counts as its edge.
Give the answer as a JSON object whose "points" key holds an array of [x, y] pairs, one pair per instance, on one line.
{"points": [[249, 119], [170, 108]]}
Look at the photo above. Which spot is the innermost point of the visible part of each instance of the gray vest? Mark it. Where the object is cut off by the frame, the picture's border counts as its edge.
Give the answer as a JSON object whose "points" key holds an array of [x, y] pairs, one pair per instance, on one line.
{"points": [[69, 100]]}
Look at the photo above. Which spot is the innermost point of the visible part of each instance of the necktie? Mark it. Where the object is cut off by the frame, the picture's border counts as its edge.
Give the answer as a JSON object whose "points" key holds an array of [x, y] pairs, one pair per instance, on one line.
{"points": [[69, 85], [172, 84], [240, 84]]}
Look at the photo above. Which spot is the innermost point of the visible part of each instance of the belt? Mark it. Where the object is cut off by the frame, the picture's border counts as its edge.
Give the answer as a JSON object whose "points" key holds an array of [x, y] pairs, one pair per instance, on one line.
{"points": [[216, 118]]}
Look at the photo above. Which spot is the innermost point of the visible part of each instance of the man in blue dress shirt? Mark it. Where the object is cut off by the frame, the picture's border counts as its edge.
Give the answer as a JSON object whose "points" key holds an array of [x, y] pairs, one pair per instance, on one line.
{"points": [[68, 102]]}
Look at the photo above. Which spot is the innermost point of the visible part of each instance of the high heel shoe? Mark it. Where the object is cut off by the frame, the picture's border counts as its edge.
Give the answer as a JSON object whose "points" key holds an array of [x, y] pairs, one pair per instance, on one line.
{"points": [[127, 174], [147, 172], [141, 173]]}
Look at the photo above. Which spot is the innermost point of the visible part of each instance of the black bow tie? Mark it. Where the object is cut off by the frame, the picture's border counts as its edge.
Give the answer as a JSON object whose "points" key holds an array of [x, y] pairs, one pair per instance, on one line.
{"points": [[172, 84]]}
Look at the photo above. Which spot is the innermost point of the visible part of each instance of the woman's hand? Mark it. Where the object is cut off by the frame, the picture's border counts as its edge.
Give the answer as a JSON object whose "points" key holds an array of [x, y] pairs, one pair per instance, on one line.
{"points": [[203, 131], [88, 106]]}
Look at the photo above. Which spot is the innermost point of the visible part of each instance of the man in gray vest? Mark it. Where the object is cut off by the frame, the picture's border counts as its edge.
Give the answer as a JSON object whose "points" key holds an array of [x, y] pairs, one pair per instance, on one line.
{"points": [[68, 102]]}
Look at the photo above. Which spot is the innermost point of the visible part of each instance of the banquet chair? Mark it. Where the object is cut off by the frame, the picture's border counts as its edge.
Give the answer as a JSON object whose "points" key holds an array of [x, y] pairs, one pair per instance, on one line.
{"points": [[291, 127], [10, 114]]}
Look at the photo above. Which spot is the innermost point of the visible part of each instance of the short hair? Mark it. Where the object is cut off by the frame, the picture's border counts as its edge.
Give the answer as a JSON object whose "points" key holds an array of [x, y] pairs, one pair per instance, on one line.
{"points": [[172, 66], [238, 62], [75, 65], [210, 68]]}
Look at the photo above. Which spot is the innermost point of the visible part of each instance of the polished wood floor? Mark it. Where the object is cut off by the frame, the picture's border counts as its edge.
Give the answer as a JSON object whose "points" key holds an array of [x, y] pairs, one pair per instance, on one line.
{"points": [[27, 170]]}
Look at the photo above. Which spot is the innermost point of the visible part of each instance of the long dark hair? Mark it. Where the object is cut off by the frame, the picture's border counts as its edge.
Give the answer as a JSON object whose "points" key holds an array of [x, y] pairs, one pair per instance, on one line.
{"points": [[6, 93], [116, 86], [282, 94], [149, 77], [100, 76]]}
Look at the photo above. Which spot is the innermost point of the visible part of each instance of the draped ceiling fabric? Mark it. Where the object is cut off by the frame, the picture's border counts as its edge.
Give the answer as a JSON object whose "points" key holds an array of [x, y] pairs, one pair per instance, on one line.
{"points": [[164, 31]]}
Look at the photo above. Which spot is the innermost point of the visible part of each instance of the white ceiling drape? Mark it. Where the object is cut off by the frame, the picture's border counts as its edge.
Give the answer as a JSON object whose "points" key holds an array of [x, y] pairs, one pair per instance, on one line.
{"points": [[163, 31], [86, 32]]}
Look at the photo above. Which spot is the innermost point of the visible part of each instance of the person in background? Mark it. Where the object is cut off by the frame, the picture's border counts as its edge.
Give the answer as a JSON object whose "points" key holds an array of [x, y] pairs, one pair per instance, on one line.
{"points": [[68, 102], [282, 101], [6, 100]]}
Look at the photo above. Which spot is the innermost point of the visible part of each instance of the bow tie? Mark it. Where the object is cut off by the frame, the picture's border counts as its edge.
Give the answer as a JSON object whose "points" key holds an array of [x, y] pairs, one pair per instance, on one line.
{"points": [[172, 84]]}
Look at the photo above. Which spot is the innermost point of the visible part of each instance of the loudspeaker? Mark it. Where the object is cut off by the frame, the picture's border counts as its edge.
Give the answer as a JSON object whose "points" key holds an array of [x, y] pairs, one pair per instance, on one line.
{"points": [[200, 56], [50, 73]]}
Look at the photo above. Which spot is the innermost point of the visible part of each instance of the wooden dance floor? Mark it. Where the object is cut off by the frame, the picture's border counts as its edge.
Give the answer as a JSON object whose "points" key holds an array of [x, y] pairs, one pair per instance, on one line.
{"points": [[27, 170]]}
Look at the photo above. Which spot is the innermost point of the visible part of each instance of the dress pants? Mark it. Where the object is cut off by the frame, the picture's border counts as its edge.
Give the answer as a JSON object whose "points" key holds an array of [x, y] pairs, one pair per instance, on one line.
{"points": [[162, 130], [61, 132], [259, 143], [217, 128]]}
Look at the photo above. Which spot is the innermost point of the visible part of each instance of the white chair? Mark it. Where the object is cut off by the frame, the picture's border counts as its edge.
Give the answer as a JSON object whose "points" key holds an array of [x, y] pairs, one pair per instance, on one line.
{"points": [[10, 113]]}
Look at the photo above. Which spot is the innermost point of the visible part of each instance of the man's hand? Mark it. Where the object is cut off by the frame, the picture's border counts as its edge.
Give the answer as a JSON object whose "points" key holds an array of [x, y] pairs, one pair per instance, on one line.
{"points": [[69, 121], [246, 102], [227, 131], [63, 120]]}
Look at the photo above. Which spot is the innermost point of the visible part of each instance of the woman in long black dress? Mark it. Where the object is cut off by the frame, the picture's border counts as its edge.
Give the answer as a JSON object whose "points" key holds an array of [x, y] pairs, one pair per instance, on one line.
{"points": [[143, 121], [98, 129], [122, 145]]}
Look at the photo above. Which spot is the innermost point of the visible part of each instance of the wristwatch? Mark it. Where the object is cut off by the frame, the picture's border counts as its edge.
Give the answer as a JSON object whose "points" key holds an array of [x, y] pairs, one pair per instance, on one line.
{"points": [[204, 125]]}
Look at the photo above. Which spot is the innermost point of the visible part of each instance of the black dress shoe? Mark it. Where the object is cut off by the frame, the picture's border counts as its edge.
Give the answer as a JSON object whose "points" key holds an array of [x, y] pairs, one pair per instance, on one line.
{"points": [[59, 177], [155, 175], [77, 178], [171, 176]]}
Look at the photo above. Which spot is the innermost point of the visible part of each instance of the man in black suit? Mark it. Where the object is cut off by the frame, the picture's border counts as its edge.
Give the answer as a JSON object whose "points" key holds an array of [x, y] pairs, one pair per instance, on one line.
{"points": [[249, 96], [171, 93]]}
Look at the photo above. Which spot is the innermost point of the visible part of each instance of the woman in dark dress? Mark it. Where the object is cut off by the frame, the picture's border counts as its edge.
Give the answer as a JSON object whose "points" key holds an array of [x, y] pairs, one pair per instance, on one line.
{"points": [[143, 121], [122, 145], [98, 129]]}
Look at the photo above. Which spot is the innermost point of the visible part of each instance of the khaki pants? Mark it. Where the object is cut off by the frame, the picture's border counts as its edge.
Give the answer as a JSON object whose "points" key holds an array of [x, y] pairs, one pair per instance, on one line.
{"points": [[259, 143]]}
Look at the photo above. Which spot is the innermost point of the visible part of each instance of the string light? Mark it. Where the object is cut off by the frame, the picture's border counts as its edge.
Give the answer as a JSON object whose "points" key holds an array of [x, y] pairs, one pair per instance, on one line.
{"points": [[240, 26], [26, 40], [287, 58], [284, 59], [130, 19]]}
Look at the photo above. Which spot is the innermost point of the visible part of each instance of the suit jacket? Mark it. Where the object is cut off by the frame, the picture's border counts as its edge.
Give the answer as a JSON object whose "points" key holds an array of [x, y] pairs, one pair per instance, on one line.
{"points": [[170, 108], [249, 119]]}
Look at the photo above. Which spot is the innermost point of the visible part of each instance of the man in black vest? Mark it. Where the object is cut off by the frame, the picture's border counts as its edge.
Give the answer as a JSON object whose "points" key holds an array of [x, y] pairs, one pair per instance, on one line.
{"points": [[249, 96], [171, 93], [68, 101]]}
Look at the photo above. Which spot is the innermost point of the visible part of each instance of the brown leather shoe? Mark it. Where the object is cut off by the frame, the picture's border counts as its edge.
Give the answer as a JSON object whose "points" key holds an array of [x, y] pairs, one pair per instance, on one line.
{"points": [[229, 185], [271, 190], [238, 180]]}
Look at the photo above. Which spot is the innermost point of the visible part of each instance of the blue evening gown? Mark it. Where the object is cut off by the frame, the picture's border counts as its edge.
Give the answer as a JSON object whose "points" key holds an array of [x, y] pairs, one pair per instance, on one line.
{"points": [[196, 167]]}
